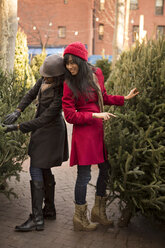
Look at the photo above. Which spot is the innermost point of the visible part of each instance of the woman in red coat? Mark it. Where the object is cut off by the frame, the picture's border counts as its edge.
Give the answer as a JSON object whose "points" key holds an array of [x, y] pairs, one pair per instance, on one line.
{"points": [[83, 98]]}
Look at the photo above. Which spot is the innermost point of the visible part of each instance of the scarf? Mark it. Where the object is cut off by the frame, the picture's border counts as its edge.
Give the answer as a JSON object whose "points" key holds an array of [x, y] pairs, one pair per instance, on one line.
{"points": [[99, 93], [46, 85]]}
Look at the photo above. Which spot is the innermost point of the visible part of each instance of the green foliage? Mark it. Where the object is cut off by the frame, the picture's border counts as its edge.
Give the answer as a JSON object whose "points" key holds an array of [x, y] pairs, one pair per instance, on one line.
{"points": [[22, 68], [13, 146], [36, 63], [136, 138], [105, 66]]}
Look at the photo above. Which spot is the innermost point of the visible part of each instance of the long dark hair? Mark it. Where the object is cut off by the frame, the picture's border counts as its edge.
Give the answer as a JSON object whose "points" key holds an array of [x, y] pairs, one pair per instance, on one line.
{"points": [[59, 81], [83, 81]]}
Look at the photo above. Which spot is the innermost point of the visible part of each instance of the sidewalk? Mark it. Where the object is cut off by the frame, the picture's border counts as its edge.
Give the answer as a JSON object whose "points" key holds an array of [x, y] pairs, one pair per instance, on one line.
{"points": [[141, 233]]}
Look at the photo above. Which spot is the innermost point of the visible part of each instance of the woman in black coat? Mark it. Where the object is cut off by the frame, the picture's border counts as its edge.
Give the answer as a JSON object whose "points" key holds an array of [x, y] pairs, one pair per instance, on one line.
{"points": [[48, 145]]}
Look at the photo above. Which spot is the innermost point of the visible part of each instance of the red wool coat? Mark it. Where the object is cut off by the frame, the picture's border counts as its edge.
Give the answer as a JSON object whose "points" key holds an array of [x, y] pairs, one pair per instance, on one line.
{"points": [[88, 135]]}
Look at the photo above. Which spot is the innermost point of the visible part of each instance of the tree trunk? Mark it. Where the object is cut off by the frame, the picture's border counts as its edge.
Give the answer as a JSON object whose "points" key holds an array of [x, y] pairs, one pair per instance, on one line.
{"points": [[126, 32], [118, 37], [8, 30]]}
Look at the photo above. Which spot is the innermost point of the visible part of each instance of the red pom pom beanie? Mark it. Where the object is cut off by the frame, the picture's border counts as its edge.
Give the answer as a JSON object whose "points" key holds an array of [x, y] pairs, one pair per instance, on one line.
{"points": [[77, 49]]}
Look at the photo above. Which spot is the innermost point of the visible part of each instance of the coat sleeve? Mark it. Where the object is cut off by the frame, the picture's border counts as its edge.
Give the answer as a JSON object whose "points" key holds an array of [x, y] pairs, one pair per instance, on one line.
{"points": [[69, 108], [108, 99], [54, 109], [30, 96]]}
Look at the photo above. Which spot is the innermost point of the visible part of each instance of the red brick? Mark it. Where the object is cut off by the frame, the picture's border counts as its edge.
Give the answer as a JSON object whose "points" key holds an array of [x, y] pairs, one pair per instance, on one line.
{"points": [[77, 15]]}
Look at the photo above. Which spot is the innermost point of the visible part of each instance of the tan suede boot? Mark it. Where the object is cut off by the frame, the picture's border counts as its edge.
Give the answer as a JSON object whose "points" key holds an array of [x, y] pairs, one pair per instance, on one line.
{"points": [[80, 219], [98, 213]]}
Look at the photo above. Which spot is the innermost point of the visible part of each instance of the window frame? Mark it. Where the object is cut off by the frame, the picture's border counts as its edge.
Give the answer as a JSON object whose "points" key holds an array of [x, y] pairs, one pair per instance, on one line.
{"points": [[102, 5], [101, 34], [159, 9], [134, 6], [135, 29], [62, 28], [158, 33]]}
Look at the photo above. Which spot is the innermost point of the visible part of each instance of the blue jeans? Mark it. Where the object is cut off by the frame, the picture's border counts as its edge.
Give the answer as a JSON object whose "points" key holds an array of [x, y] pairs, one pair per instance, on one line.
{"points": [[38, 174], [83, 178]]}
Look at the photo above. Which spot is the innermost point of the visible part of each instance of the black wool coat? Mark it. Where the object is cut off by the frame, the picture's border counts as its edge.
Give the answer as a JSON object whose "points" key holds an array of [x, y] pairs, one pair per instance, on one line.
{"points": [[48, 145]]}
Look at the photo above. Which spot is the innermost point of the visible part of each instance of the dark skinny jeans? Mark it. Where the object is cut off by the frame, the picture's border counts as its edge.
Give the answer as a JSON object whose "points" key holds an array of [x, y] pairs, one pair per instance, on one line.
{"points": [[83, 178], [38, 174]]}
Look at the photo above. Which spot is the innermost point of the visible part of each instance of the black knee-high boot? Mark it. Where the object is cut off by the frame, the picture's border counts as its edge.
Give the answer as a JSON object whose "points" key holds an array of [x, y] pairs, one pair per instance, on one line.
{"points": [[36, 220], [49, 210]]}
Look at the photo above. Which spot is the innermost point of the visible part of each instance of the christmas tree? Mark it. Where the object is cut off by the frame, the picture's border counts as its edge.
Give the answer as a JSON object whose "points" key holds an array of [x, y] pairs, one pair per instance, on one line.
{"points": [[36, 63], [135, 140], [13, 146]]}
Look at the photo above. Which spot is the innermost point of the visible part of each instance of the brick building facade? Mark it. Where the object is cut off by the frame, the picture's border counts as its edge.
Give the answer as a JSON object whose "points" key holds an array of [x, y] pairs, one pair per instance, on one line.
{"points": [[154, 18], [56, 23]]}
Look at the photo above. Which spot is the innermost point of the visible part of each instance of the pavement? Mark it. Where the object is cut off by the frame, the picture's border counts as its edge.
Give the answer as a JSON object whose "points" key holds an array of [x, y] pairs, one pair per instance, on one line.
{"points": [[59, 233]]}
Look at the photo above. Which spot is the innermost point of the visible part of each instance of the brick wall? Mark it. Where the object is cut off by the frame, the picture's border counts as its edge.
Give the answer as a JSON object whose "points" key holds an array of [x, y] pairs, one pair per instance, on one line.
{"points": [[41, 19], [151, 20]]}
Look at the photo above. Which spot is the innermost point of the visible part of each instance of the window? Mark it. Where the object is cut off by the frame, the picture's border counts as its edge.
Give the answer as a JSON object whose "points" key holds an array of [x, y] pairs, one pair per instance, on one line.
{"points": [[61, 31], [160, 31], [101, 31], [159, 4], [65, 1], [133, 4], [135, 33], [102, 4]]}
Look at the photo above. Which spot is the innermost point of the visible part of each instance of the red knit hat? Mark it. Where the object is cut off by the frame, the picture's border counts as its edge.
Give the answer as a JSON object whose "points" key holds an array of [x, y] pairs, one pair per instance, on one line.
{"points": [[77, 49]]}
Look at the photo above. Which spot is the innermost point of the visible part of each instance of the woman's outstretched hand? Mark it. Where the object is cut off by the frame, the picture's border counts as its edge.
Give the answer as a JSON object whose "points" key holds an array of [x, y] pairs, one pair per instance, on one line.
{"points": [[132, 93], [104, 115]]}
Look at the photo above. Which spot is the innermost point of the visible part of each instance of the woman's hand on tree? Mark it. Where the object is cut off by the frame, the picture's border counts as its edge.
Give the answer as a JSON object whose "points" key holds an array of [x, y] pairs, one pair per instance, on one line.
{"points": [[104, 115], [132, 93]]}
